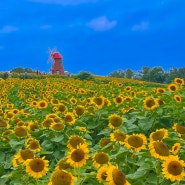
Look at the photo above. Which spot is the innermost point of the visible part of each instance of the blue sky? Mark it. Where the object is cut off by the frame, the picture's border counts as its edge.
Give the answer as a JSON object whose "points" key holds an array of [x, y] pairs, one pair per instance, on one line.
{"points": [[98, 36]]}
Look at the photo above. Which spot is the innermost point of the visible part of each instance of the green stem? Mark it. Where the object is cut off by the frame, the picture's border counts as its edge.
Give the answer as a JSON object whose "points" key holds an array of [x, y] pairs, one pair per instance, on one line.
{"points": [[158, 172]]}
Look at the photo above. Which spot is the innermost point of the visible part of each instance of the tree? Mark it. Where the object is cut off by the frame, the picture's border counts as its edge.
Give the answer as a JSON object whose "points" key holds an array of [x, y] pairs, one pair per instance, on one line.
{"points": [[118, 74], [129, 73], [22, 70], [157, 74], [144, 74]]}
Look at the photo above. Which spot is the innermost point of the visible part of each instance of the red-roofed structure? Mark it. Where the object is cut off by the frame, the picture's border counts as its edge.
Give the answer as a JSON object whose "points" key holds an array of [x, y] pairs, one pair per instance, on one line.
{"points": [[57, 66]]}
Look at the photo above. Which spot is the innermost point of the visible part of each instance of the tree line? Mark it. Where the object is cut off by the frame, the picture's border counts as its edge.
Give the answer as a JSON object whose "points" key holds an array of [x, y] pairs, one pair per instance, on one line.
{"points": [[155, 74]]}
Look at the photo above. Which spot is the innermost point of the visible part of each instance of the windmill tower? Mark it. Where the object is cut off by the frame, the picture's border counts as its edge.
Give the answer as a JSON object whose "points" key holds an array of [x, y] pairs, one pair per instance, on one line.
{"points": [[56, 58]]}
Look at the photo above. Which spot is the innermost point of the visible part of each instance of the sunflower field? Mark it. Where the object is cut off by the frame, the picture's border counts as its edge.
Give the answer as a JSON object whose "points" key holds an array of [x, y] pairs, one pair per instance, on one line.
{"points": [[105, 131]]}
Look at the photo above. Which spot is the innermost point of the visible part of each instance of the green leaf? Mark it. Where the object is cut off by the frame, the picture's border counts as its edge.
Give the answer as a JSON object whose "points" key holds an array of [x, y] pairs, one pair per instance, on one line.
{"points": [[57, 139]]}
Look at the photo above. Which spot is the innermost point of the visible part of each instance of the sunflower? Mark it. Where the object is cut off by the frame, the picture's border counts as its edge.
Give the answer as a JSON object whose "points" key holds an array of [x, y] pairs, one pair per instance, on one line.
{"points": [[128, 98], [83, 129], [160, 90], [4, 124], [9, 115], [42, 104], [160, 102], [98, 101], [159, 150], [22, 156], [5, 134], [57, 126], [69, 118], [107, 102], [173, 168], [62, 108], [33, 126], [175, 148], [54, 101], [128, 88], [179, 128], [179, 81], [47, 122], [118, 100], [79, 110], [15, 111], [61, 177], [115, 121], [34, 145], [127, 109], [116, 177], [118, 136], [177, 98], [73, 100], [36, 167], [159, 135], [21, 131], [33, 104], [172, 87], [150, 103], [106, 142], [63, 165], [74, 141], [136, 141], [100, 159], [102, 173], [77, 157], [52, 115]]}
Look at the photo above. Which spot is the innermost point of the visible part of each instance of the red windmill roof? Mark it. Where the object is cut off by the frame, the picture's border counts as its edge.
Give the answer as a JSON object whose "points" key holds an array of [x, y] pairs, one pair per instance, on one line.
{"points": [[56, 55]]}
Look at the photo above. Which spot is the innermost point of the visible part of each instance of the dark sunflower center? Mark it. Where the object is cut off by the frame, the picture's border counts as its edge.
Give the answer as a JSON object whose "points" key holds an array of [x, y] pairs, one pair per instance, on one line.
{"points": [[158, 135], [77, 155], [118, 177], [58, 126], [75, 141], [27, 154], [161, 149], [68, 118], [79, 110], [135, 141], [42, 104], [98, 101], [175, 168], [101, 158], [20, 132], [104, 142], [104, 176], [118, 99], [116, 121], [47, 122], [180, 129], [3, 123], [61, 108], [173, 88], [61, 178], [37, 165], [34, 145], [178, 98], [150, 103], [119, 136]]}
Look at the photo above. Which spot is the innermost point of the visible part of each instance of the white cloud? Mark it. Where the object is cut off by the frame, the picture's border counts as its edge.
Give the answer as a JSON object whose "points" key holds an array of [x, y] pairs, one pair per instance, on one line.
{"points": [[101, 24], [140, 27], [44, 27], [64, 2], [8, 29]]}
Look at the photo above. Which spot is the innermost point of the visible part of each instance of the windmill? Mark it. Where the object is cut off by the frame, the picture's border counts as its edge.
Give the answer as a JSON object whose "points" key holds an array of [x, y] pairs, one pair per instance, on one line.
{"points": [[56, 58]]}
